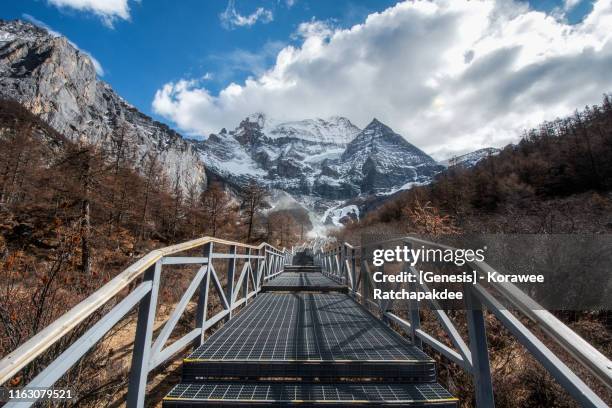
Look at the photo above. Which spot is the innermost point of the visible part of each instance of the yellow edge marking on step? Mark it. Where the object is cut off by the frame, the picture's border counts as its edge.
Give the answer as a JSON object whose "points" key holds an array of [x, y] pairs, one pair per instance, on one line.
{"points": [[202, 360], [317, 401]]}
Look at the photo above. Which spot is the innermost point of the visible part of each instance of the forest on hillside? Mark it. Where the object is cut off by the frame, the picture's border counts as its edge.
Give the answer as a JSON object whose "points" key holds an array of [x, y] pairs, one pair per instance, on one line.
{"points": [[72, 216], [556, 180]]}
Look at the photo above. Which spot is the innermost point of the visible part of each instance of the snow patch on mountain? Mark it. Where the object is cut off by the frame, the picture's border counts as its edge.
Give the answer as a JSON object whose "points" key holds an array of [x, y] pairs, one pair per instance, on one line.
{"points": [[338, 216], [335, 130], [472, 158], [406, 186]]}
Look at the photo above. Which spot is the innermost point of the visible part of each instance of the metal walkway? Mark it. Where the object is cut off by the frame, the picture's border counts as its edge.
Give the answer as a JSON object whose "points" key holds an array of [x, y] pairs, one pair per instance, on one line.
{"points": [[303, 342], [308, 335], [303, 281]]}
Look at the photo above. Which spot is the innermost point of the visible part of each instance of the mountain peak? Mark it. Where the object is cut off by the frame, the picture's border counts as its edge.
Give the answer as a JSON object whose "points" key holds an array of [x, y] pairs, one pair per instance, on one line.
{"points": [[378, 159], [376, 127], [259, 118], [12, 29], [375, 122]]}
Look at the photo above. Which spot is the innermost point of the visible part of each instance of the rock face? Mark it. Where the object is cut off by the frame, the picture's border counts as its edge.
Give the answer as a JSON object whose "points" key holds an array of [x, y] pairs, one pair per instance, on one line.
{"points": [[57, 82], [379, 159], [289, 156]]}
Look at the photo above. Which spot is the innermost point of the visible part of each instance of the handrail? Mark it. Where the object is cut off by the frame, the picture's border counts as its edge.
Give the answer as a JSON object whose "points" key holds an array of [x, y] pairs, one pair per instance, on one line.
{"points": [[39, 343], [569, 340], [340, 261]]}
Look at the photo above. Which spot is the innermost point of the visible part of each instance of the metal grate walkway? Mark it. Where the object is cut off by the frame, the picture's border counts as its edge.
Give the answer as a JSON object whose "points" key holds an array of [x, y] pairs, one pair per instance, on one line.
{"points": [[267, 393], [340, 354], [302, 282]]}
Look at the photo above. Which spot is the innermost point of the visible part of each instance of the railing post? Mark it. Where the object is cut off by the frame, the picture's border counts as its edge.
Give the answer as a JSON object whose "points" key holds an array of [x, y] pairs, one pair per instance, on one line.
{"points": [[142, 342], [415, 314], [202, 309], [257, 277], [353, 270], [247, 277], [335, 262], [415, 319], [478, 348], [362, 277], [277, 263], [231, 269], [344, 267], [339, 263]]}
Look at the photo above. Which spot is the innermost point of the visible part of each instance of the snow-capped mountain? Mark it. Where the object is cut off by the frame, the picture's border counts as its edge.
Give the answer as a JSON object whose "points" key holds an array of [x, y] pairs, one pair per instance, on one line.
{"points": [[379, 159], [321, 162], [284, 155], [472, 158], [54, 80]]}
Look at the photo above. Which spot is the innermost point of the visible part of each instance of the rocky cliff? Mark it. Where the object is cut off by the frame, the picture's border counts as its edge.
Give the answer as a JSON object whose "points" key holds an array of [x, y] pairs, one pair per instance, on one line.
{"points": [[54, 80]]}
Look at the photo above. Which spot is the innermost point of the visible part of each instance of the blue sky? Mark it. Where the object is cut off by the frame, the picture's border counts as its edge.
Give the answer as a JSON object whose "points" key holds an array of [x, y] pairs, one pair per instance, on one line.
{"points": [[187, 62], [165, 40]]}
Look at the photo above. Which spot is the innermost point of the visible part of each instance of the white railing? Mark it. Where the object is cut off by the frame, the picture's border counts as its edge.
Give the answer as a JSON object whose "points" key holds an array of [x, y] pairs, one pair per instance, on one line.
{"points": [[348, 263], [261, 263]]}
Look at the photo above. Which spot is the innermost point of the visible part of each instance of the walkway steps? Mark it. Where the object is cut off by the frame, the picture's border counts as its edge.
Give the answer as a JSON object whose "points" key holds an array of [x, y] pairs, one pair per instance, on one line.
{"points": [[307, 335], [302, 268], [304, 342], [302, 282], [263, 394]]}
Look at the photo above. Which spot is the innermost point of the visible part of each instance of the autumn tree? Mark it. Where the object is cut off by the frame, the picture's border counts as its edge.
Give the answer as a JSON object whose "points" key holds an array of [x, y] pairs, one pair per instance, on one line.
{"points": [[121, 153], [217, 206], [152, 174], [253, 200]]}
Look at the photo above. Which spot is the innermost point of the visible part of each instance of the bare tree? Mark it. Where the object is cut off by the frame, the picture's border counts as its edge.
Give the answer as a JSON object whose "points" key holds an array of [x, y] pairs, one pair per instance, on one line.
{"points": [[152, 169], [216, 207], [253, 200]]}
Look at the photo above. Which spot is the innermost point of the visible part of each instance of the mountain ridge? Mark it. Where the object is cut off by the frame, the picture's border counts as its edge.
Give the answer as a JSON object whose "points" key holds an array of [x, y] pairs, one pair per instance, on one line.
{"points": [[320, 172]]}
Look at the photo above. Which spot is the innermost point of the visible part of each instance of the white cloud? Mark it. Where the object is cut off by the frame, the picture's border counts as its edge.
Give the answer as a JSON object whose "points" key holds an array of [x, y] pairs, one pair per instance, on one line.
{"points": [[450, 75], [570, 4], [230, 18], [42, 24], [108, 10]]}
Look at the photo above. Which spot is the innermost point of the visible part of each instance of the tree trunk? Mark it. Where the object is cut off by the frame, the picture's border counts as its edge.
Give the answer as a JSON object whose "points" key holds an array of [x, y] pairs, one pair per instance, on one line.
{"points": [[85, 222]]}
